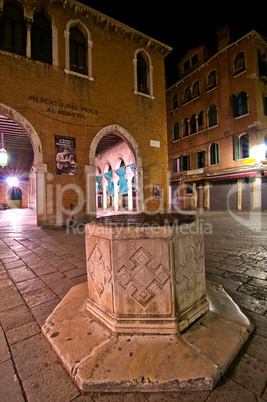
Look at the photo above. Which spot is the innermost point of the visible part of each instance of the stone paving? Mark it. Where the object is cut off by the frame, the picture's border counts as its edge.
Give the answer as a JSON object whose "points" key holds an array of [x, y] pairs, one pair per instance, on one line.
{"points": [[39, 266]]}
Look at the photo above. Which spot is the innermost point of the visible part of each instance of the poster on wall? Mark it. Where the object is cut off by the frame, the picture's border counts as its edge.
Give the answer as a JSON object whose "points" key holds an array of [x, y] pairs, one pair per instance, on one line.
{"points": [[157, 191], [65, 155]]}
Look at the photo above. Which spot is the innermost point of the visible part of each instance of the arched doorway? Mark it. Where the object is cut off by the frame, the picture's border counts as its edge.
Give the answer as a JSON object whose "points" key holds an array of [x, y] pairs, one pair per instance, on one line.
{"points": [[15, 197], [25, 163], [110, 144]]}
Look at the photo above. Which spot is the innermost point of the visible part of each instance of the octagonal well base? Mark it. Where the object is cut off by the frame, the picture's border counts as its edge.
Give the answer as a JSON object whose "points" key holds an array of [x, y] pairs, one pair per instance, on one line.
{"points": [[99, 360]]}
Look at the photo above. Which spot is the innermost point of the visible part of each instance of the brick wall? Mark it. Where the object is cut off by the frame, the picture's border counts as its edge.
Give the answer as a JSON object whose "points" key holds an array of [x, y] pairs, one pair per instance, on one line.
{"points": [[58, 103]]}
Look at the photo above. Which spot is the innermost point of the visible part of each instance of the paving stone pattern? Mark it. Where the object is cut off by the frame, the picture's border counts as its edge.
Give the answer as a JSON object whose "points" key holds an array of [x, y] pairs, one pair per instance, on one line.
{"points": [[39, 266]]}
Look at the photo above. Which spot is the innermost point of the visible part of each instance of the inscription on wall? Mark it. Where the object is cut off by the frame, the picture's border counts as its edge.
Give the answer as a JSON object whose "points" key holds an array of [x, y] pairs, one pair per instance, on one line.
{"points": [[63, 109]]}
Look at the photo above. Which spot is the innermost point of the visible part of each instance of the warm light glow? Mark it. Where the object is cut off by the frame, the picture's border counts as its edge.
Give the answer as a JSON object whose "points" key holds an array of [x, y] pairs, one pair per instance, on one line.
{"points": [[3, 157], [12, 181], [258, 152]]}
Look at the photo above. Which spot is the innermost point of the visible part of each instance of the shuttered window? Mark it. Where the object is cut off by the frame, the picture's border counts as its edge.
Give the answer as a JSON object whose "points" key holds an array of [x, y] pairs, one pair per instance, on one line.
{"points": [[214, 154], [240, 104], [236, 148], [212, 115]]}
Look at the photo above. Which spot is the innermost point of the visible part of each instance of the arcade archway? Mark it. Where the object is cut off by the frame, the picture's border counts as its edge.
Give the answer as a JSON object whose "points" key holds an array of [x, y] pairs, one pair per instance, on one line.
{"points": [[24, 151], [116, 172]]}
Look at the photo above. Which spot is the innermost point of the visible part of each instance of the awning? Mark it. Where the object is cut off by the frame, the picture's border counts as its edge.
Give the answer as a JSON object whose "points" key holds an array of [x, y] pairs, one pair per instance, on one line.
{"points": [[230, 176]]}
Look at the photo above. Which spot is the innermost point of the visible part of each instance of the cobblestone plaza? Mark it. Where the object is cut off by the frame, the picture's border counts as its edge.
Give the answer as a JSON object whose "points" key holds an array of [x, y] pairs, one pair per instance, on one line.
{"points": [[39, 266]]}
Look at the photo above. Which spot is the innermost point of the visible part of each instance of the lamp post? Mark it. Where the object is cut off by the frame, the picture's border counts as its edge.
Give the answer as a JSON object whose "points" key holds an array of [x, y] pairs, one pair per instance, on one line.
{"points": [[3, 153]]}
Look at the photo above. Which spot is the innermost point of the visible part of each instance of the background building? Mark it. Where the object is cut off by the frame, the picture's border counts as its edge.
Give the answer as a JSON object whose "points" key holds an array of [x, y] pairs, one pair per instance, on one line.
{"points": [[217, 126], [72, 78]]}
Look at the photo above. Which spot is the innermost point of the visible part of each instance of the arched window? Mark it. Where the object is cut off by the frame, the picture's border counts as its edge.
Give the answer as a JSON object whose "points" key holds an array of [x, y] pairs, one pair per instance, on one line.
{"points": [[195, 90], [141, 74], [193, 124], [212, 115], [214, 154], [143, 79], [187, 94], [241, 146], [13, 30], [211, 80], [239, 63], [244, 146], [240, 104], [201, 121], [41, 39], [185, 127], [175, 102], [176, 131], [77, 51]]}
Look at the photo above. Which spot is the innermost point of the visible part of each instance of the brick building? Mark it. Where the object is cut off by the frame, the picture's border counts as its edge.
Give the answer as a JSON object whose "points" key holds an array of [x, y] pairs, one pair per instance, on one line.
{"points": [[217, 126], [72, 78]]}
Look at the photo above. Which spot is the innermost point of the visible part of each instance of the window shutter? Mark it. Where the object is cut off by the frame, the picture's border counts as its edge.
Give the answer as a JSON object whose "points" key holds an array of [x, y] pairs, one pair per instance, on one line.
{"points": [[174, 165], [235, 106], [264, 99], [216, 154], [181, 164], [212, 116], [236, 148], [244, 103]]}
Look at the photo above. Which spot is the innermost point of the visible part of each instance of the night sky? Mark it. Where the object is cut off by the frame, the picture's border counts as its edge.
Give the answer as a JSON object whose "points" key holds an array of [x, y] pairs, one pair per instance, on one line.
{"points": [[184, 25]]}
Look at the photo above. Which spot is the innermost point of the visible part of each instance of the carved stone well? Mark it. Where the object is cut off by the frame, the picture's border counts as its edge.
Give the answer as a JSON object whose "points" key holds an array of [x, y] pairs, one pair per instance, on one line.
{"points": [[146, 274], [146, 320]]}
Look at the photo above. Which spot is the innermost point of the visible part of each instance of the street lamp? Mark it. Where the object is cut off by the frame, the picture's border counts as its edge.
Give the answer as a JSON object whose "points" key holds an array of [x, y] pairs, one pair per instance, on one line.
{"points": [[3, 153]]}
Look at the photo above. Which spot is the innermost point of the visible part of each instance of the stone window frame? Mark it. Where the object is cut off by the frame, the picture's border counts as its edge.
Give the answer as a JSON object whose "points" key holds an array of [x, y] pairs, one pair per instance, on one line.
{"points": [[41, 57], [238, 69], [212, 114], [214, 154], [76, 23], [176, 131], [175, 102], [211, 81], [149, 77]]}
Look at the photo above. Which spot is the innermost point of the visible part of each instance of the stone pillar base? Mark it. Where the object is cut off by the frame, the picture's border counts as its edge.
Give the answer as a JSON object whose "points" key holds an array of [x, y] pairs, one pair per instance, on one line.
{"points": [[99, 360]]}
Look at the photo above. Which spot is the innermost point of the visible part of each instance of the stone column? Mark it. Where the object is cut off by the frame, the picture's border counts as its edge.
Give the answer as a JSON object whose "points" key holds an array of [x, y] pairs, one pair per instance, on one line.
{"points": [[197, 127], [105, 194], [90, 191], [207, 195], [41, 170], [67, 50], [129, 178], [256, 194], [239, 194], [89, 57], [28, 38], [116, 198], [54, 46]]}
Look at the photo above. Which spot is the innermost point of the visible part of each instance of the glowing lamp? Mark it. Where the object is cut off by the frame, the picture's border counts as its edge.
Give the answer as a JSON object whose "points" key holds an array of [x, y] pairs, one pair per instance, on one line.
{"points": [[259, 152], [3, 153], [12, 181]]}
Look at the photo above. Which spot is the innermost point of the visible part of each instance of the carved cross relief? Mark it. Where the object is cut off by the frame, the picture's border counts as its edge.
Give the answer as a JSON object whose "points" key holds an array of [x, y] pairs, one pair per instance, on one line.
{"points": [[142, 277]]}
